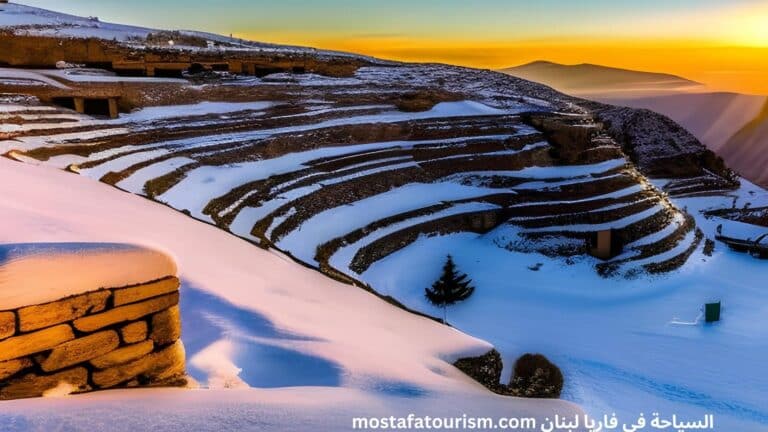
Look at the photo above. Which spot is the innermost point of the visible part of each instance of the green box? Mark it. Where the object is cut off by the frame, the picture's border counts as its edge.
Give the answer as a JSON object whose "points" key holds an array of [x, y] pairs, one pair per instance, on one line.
{"points": [[712, 312]]}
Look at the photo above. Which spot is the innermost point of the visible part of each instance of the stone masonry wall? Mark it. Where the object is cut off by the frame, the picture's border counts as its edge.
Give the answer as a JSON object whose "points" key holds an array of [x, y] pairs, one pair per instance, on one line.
{"points": [[118, 337]]}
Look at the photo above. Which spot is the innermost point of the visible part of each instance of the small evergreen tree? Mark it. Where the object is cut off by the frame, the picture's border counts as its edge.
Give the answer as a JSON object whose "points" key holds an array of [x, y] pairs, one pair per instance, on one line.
{"points": [[452, 287]]}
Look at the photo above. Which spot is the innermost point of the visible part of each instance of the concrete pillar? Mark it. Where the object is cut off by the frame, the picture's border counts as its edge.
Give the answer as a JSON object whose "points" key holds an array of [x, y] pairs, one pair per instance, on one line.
{"points": [[80, 105], [113, 112]]}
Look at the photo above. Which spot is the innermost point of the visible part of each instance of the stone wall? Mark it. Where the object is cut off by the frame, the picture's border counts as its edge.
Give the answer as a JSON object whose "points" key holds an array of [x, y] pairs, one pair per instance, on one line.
{"points": [[118, 337], [43, 52]]}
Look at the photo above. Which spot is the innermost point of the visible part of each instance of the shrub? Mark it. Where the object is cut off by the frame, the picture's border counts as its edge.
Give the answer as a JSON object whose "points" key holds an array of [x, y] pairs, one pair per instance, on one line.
{"points": [[536, 377], [485, 369], [709, 247]]}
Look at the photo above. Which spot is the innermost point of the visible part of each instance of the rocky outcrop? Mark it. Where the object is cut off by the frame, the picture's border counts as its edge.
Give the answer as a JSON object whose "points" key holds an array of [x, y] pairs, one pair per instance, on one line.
{"points": [[663, 149]]}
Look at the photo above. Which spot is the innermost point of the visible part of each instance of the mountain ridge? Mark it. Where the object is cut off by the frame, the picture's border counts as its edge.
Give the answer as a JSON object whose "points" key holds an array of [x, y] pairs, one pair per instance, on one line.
{"points": [[584, 77]]}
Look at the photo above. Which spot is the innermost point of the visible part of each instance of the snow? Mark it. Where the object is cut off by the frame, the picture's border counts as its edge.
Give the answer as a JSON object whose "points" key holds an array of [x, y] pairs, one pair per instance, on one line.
{"points": [[11, 108], [198, 109], [121, 163], [619, 223], [42, 22], [144, 115], [245, 222], [549, 184], [342, 259], [352, 150], [331, 333], [136, 181], [325, 226], [612, 338], [26, 20], [304, 409], [209, 182], [663, 233], [78, 75], [569, 171], [35, 273], [621, 193], [679, 248], [22, 75], [32, 142]]}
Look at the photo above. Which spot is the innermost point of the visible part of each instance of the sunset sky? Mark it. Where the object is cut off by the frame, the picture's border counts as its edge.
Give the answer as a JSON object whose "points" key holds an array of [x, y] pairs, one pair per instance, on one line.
{"points": [[717, 42]]}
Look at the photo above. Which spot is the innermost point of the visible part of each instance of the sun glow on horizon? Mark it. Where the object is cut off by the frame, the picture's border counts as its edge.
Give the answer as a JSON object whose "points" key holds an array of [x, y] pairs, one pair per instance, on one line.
{"points": [[752, 29], [722, 66]]}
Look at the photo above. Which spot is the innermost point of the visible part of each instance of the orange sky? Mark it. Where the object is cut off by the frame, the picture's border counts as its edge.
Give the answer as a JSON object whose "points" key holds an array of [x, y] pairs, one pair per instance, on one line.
{"points": [[722, 43], [742, 69]]}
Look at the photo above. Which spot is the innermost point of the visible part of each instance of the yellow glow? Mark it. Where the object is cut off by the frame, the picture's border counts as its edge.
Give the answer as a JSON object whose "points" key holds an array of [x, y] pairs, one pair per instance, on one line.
{"points": [[740, 69], [751, 28], [730, 53]]}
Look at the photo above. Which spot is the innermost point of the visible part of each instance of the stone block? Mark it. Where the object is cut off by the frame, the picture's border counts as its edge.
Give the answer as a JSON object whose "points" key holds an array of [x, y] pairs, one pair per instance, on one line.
{"points": [[7, 324], [130, 312], [134, 332], [81, 350], [48, 314], [10, 367], [31, 343], [149, 367], [123, 355], [134, 294], [32, 385], [166, 326]]}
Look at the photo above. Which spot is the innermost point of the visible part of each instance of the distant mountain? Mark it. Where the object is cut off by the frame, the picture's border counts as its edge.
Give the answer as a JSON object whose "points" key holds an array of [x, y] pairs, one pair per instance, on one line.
{"points": [[747, 147], [591, 79], [735, 126]]}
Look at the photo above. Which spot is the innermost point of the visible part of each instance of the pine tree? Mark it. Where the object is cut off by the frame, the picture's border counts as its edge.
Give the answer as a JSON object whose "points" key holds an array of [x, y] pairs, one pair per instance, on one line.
{"points": [[452, 287]]}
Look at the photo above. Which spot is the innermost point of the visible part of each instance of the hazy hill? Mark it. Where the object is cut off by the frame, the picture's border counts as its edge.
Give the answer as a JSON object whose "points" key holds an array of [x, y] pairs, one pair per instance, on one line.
{"points": [[594, 79], [731, 124]]}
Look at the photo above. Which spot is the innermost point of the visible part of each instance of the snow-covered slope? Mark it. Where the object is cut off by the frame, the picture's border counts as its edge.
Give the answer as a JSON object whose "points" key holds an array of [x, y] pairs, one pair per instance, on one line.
{"points": [[34, 21], [26, 20], [252, 313]]}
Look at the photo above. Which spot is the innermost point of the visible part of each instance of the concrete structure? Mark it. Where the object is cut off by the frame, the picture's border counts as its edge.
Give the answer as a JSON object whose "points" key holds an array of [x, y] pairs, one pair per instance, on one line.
{"points": [[95, 106], [104, 106]]}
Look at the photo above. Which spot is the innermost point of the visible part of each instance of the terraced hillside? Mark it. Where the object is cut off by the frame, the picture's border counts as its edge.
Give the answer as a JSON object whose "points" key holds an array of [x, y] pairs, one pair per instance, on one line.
{"points": [[342, 172]]}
